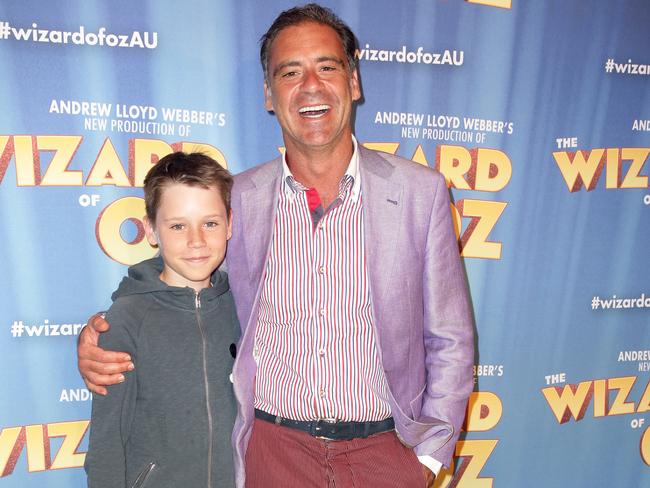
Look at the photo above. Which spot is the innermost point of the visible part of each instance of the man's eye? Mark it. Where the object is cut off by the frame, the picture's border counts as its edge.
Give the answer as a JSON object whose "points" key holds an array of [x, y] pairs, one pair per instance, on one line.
{"points": [[289, 74], [211, 224], [176, 227], [328, 68]]}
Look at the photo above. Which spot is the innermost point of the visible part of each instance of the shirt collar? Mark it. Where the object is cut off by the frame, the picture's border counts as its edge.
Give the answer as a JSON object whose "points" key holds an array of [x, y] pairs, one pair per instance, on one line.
{"points": [[352, 171]]}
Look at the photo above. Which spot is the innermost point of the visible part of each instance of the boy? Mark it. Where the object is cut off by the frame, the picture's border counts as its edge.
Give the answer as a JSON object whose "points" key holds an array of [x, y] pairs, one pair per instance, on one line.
{"points": [[169, 423]]}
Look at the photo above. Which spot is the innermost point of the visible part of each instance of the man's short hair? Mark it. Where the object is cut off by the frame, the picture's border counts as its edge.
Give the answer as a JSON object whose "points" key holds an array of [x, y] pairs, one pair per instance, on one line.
{"points": [[192, 169], [312, 12]]}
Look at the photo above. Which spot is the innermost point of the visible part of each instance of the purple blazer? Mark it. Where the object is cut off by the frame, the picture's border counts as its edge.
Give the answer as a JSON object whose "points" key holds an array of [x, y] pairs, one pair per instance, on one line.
{"points": [[423, 322]]}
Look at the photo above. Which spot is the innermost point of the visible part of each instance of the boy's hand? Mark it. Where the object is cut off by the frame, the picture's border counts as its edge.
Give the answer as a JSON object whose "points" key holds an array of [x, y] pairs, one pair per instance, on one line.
{"points": [[98, 367]]}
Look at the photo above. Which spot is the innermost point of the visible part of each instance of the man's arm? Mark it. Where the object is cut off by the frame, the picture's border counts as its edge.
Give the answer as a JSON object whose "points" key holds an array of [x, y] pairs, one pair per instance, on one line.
{"points": [[99, 368], [448, 326]]}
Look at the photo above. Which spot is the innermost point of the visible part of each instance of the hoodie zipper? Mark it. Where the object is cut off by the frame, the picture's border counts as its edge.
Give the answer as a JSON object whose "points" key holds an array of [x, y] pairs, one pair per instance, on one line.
{"points": [[197, 303], [143, 476]]}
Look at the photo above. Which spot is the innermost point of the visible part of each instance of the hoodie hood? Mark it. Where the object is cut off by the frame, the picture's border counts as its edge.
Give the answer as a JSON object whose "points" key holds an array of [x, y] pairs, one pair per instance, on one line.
{"points": [[144, 277]]}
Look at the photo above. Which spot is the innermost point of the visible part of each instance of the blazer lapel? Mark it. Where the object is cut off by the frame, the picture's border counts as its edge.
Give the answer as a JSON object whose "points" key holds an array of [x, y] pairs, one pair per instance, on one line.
{"points": [[382, 218], [259, 204]]}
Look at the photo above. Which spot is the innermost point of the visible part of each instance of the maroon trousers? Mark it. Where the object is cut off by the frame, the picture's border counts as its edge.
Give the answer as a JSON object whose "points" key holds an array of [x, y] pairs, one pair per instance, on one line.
{"points": [[279, 456]]}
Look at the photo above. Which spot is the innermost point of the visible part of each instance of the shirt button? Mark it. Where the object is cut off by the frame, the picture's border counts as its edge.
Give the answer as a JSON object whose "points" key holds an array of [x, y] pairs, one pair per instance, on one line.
{"points": [[320, 225], [321, 270], [321, 352], [322, 312], [321, 393]]}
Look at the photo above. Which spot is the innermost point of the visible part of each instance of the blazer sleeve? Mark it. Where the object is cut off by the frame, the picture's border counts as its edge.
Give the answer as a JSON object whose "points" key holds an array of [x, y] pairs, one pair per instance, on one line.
{"points": [[448, 326], [112, 414]]}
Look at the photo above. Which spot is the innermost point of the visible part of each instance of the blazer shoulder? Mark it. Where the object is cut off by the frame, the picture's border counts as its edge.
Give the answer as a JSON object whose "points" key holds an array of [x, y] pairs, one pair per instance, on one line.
{"points": [[257, 175], [403, 168]]}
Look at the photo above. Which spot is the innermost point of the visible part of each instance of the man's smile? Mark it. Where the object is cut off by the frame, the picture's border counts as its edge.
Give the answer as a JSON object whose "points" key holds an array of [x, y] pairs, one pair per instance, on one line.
{"points": [[314, 111]]}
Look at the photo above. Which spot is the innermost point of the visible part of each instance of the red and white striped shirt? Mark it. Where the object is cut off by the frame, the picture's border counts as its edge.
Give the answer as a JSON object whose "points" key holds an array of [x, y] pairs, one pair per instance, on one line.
{"points": [[314, 346]]}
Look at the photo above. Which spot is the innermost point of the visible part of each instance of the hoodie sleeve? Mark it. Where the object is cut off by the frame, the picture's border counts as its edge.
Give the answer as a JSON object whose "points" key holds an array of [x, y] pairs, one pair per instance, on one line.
{"points": [[112, 414]]}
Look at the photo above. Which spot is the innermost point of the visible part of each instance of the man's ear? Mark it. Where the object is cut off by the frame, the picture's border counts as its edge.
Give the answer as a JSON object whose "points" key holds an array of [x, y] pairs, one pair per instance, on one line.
{"points": [[268, 99], [150, 232], [355, 86]]}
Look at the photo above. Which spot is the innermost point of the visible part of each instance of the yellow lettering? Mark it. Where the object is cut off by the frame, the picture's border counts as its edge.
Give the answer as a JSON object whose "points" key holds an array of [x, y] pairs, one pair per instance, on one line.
{"points": [[109, 236], [571, 401], [38, 448], [474, 454], [419, 156], [28, 163], [6, 150], [107, 169], [493, 170], [143, 154], [445, 476], [638, 156], [484, 411], [600, 398], [578, 171], [12, 440], [64, 148], [493, 3], [72, 433], [644, 403], [645, 446], [454, 162], [613, 169], [456, 219], [387, 147], [624, 386], [484, 216]]}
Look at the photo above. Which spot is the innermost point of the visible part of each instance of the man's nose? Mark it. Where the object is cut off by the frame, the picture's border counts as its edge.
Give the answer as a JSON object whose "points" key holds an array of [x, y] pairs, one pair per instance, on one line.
{"points": [[311, 81]]}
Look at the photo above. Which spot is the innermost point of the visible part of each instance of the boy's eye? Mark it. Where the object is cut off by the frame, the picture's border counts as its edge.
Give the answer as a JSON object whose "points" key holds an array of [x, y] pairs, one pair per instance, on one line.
{"points": [[176, 227], [211, 224]]}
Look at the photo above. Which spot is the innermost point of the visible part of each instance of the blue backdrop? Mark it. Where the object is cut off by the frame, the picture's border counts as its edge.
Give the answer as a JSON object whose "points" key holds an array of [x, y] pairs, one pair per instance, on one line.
{"points": [[538, 114]]}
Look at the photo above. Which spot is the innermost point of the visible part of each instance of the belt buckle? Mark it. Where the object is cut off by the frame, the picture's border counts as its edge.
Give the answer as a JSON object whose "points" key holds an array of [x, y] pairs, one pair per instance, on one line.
{"points": [[318, 428]]}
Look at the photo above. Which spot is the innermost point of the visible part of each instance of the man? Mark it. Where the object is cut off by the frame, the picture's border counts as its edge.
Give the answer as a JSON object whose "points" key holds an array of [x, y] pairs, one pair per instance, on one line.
{"points": [[357, 341]]}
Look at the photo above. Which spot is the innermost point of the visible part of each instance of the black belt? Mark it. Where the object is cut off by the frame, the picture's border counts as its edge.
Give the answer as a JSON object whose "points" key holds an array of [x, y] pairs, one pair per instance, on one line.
{"points": [[331, 429]]}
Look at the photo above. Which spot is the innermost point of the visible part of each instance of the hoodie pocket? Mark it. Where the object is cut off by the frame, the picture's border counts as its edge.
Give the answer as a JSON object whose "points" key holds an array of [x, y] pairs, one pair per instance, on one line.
{"points": [[143, 476]]}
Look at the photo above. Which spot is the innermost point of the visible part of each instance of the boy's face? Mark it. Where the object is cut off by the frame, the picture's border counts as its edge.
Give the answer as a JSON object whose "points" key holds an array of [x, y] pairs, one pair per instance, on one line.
{"points": [[191, 230]]}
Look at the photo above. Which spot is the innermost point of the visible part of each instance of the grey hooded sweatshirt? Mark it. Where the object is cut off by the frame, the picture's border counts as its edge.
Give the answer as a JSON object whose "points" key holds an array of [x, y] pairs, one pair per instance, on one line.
{"points": [[169, 423]]}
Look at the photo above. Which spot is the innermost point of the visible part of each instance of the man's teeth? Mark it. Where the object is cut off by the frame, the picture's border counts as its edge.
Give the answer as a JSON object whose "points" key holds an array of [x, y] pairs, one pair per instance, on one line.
{"points": [[315, 110]]}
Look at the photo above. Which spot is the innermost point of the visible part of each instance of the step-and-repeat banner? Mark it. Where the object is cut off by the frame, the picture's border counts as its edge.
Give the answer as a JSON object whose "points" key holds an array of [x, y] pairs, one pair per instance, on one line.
{"points": [[537, 113]]}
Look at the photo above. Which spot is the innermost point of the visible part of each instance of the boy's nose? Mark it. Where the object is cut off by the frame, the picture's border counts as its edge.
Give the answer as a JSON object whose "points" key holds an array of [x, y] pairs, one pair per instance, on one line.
{"points": [[196, 238]]}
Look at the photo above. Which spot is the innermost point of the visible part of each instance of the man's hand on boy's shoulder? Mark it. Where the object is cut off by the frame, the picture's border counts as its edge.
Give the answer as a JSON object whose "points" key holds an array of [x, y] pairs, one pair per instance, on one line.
{"points": [[99, 368]]}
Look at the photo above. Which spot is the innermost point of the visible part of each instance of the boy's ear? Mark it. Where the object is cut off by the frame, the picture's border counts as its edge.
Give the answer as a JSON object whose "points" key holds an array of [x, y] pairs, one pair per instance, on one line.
{"points": [[229, 234], [150, 232]]}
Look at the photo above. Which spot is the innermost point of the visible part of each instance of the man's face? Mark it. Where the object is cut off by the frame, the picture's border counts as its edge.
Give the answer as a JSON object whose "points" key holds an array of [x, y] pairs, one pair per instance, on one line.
{"points": [[310, 87], [191, 230]]}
